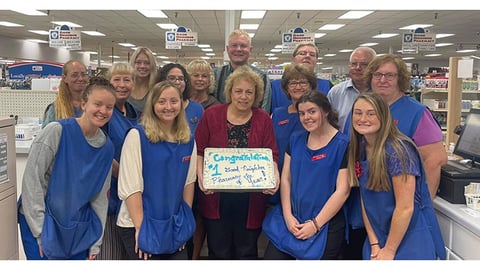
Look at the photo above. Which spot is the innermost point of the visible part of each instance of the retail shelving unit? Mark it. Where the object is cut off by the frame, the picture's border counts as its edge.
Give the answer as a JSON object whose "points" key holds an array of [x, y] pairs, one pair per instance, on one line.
{"points": [[450, 99]]}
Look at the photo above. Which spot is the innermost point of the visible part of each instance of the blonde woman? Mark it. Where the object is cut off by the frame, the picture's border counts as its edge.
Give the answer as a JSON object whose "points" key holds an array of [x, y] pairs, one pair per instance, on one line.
{"points": [[202, 83], [145, 66], [69, 98], [156, 179]]}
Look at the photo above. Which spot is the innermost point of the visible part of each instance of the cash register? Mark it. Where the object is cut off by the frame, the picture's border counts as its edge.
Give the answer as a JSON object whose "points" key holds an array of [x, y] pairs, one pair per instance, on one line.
{"points": [[456, 174]]}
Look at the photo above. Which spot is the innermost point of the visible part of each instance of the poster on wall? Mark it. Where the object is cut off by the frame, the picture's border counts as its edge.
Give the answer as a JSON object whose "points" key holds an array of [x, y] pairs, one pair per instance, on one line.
{"points": [[35, 70]]}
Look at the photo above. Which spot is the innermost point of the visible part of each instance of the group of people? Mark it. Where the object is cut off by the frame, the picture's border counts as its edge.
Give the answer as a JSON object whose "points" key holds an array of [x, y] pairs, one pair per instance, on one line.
{"points": [[117, 170]]}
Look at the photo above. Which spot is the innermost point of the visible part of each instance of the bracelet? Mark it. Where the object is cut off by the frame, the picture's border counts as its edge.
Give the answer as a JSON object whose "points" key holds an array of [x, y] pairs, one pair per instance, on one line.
{"points": [[375, 244], [316, 224]]}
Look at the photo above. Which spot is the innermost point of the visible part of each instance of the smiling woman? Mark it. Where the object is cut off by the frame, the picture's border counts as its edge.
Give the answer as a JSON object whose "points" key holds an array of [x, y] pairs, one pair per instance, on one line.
{"points": [[237, 124]]}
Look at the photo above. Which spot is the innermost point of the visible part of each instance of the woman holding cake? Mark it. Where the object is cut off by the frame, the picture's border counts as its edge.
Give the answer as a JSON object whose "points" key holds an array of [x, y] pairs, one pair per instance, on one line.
{"points": [[233, 221]]}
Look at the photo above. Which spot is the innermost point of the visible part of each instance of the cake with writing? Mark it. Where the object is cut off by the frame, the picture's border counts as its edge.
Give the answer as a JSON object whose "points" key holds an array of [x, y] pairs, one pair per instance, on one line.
{"points": [[238, 169]]}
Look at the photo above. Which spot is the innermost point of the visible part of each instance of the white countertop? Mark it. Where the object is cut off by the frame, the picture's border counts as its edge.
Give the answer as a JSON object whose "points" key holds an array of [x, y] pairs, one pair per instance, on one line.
{"points": [[463, 215]]}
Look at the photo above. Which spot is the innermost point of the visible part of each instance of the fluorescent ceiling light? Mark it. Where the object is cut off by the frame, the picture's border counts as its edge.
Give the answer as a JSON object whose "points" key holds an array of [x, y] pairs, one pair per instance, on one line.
{"points": [[162, 57], [346, 50], [251, 35], [67, 23], [90, 52], [408, 58], [386, 35], [37, 40], [368, 44], [94, 33], [278, 46], [204, 57], [252, 14], [444, 35], [152, 13], [355, 14], [415, 26], [432, 55], [269, 54], [466, 51], [272, 58], [207, 50], [167, 26], [30, 12], [443, 44], [249, 26], [39, 32], [331, 26], [210, 54], [10, 24], [275, 50], [319, 35], [126, 44], [330, 54], [327, 68], [203, 45]]}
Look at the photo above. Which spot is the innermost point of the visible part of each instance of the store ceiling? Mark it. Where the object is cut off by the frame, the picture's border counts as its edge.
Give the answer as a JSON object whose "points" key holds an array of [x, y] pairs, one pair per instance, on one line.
{"points": [[132, 27]]}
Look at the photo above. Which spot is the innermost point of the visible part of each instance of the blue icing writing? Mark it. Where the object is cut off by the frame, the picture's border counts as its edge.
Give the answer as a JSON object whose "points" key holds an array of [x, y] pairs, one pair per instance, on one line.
{"points": [[232, 159], [254, 168], [232, 169], [250, 179], [226, 179]]}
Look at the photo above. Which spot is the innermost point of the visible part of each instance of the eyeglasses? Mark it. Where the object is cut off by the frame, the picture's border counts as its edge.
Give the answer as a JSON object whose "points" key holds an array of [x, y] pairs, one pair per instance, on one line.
{"points": [[305, 53], [78, 75], [388, 76], [294, 84], [174, 79], [358, 64]]}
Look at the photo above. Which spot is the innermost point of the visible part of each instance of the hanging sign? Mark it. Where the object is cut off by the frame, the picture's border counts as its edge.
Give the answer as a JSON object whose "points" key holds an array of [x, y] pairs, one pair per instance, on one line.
{"points": [[180, 37], [294, 37], [418, 40], [65, 37]]}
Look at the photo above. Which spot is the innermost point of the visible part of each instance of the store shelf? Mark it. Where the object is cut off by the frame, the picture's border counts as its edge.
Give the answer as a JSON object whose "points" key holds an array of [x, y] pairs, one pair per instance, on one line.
{"points": [[450, 99]]}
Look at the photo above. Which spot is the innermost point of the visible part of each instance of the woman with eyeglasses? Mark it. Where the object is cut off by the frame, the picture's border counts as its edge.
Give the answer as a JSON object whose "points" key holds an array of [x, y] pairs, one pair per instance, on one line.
{"points": [[297, 79], [389, 77], [63, 206], [177, 74], [396, 207], [145, 66], [309, 223], [68, 102], [233, 220]]}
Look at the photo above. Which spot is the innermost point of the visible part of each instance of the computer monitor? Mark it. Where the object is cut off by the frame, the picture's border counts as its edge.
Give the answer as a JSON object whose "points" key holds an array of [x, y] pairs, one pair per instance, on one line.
{"points": [[468, 144]]}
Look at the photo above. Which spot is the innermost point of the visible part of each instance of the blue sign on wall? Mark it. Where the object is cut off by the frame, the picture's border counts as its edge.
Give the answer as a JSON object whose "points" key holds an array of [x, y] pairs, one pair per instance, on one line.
{"points": [[25, 70]]}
